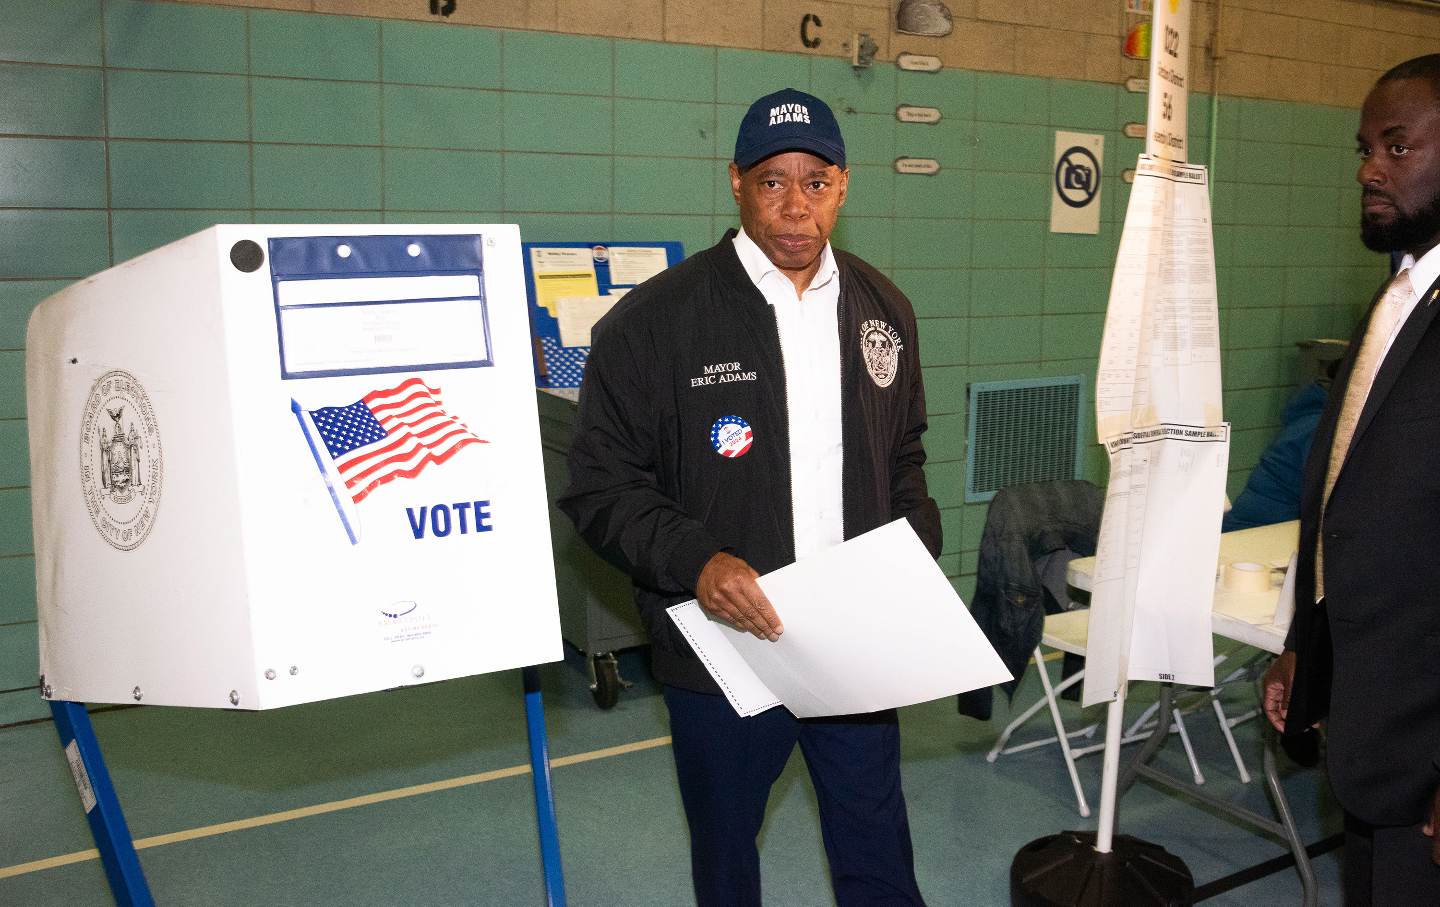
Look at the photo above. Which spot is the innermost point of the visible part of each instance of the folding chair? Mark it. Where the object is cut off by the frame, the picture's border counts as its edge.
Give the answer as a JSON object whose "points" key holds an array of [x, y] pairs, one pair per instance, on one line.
{"points": [[1065, 632], [1068, 632]]}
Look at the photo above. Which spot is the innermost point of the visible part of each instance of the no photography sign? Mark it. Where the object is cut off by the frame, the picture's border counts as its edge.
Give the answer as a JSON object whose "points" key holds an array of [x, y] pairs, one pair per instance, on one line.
{"points": [[1075, 183]]}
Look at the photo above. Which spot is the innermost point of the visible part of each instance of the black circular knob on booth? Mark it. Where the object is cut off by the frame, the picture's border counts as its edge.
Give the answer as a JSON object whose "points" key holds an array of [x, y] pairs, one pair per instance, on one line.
{"points": [[1066, 869], [246, 255]]}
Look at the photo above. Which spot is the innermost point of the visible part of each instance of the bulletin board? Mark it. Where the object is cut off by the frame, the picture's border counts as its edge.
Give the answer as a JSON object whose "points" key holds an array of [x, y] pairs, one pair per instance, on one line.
{"points": [[570, 285]]}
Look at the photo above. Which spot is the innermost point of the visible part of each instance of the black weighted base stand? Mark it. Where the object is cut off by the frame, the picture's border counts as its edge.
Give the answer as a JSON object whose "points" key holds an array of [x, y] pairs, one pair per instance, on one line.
{"points": [[1066, 869]]}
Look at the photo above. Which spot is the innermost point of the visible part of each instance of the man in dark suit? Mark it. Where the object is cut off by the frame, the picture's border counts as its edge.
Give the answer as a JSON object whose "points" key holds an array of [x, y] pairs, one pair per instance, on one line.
{"points": [[1364, 649]]}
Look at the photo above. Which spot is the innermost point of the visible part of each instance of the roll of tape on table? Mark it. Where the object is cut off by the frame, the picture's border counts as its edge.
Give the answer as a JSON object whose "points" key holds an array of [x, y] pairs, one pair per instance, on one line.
{"points": [[1245, 576]]}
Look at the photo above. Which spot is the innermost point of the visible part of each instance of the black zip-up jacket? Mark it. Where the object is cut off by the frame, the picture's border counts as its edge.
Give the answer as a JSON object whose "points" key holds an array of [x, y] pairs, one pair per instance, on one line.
{"points": [[648, 488]]}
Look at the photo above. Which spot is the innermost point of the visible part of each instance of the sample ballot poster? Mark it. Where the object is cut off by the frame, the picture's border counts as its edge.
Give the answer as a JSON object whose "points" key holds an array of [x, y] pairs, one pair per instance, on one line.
{"points": [[276, 464], [1158, 413]]}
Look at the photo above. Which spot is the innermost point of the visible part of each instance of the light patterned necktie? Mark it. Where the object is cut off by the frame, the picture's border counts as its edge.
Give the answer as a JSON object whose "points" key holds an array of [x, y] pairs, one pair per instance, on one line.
{"points": [[1362, 376]]}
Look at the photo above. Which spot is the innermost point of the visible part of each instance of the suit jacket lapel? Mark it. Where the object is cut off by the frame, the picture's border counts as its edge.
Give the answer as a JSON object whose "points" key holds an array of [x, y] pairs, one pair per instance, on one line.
{"points": [[1400, 352]]}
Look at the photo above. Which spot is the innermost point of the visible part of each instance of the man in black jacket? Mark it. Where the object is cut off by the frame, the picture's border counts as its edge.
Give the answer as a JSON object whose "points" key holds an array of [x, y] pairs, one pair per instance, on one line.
{"points": [[751, 406], [1364, 648]]}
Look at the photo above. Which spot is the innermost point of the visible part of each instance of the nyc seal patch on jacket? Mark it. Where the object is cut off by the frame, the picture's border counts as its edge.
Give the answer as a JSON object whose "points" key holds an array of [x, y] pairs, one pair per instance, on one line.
{"points": [[121, 466], [880, 345]]}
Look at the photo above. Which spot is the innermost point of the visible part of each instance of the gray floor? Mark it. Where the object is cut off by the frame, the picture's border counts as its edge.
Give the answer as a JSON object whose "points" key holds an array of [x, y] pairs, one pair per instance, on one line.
{"points": [[622, 832]]}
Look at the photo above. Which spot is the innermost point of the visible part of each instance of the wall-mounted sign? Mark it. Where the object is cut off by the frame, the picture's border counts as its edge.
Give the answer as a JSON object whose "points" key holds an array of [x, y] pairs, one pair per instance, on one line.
{"points": [[1075, 192], [922, 166], [1169, 88], [1137, 84], [918, 62], [1134, 130], [908, 113]]}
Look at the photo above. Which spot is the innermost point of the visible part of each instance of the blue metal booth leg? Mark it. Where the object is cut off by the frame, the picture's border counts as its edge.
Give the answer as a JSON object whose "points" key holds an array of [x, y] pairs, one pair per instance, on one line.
{"points": [[102, 807], [544, 799], [117, 848]]}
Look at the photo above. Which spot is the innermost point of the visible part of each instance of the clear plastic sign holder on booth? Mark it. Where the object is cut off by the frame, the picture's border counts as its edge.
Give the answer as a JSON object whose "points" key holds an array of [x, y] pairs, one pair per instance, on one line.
{"points": [[308, 467]]}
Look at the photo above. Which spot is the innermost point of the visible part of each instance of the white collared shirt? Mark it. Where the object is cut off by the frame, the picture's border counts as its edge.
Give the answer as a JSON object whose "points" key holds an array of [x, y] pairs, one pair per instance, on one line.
{"points": [[1422, 274], [810, 344]]}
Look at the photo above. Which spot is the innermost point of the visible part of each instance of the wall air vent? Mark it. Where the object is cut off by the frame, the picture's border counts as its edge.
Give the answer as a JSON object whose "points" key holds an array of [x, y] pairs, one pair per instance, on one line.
{"points": [[1022, 431]]}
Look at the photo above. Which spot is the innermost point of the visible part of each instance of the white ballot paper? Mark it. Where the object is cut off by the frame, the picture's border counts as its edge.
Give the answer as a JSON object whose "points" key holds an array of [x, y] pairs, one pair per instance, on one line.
{"points": [[1158, 412], [1160, 358], [1154, 583], [870, 624]]}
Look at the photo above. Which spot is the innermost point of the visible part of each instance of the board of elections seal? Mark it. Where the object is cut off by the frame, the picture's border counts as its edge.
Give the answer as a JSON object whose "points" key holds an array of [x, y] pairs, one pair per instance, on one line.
{"points": [[121, 466], [731, 436], [880, 345]]}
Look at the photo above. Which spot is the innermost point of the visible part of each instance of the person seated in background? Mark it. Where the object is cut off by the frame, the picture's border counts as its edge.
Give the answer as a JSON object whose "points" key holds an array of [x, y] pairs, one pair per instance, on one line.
{"points": [[1272, 493]]}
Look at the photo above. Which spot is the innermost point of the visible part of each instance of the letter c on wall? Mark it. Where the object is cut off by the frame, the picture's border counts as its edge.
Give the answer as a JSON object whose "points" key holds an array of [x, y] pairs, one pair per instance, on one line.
{"points": [[805, 22]]}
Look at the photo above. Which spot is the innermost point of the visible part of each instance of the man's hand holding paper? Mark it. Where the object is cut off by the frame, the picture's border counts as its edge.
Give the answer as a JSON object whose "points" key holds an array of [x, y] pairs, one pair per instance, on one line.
{"points": [[727, 591], [873, 624]]}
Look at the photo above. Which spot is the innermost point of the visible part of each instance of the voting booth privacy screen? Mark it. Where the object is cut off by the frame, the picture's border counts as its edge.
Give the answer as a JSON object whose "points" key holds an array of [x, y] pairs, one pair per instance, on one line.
{"points": [[278, 464]]}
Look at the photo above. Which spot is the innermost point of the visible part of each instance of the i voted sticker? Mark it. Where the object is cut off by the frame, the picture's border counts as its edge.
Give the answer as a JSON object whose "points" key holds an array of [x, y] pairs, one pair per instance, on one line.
{"points": [[731, 436]]}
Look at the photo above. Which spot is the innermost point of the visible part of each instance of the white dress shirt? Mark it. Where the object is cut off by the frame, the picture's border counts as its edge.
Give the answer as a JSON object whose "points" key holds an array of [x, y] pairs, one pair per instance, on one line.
{"points": [[810, 344]]}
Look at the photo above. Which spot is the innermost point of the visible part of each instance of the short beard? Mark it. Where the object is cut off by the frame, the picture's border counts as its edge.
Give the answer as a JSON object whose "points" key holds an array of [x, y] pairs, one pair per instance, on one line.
{"points": [[1405, 232]]}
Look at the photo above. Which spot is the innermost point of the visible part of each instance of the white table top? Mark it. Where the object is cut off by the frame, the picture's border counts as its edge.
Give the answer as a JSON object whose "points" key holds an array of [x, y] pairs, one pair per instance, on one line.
{"points": [[1246, 617]]}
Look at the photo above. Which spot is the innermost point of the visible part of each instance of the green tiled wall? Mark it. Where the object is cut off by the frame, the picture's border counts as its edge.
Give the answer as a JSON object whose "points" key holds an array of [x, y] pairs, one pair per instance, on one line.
{"points": [[126, 124]]}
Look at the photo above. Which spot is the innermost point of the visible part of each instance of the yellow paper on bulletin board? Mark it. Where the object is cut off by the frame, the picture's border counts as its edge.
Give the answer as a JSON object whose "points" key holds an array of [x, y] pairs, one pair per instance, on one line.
{"points": [[561, 274], [557, 285]]}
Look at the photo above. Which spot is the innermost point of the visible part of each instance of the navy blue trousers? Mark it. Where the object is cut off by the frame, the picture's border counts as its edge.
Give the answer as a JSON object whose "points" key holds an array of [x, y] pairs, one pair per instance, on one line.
{"points": [[726, 766]]}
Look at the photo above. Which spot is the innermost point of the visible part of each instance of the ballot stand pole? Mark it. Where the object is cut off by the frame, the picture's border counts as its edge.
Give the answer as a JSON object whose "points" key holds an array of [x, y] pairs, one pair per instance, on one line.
{"points": [[1100, 868], [117, 847], [1110, 773], [102, 807]]}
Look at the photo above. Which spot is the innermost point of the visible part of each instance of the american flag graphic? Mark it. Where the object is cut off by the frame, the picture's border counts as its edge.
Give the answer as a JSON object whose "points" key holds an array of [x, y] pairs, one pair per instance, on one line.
{"points": [[390, 434]]}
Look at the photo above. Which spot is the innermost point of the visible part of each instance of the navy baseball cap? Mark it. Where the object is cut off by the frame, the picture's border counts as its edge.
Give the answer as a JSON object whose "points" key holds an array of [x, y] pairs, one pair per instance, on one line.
{"points": [[789, 120]]}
